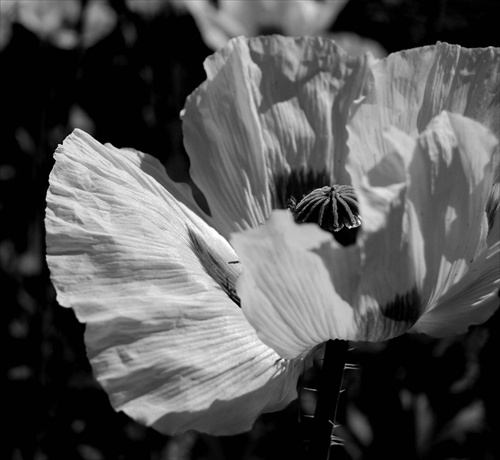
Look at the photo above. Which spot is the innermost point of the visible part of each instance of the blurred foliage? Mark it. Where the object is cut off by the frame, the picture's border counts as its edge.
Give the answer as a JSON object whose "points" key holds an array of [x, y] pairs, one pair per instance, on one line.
{"points": [[122, 73]]}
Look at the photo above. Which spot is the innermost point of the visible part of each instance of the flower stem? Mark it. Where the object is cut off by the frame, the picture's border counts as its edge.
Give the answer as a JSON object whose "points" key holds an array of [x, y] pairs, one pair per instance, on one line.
{"points": [[330, 382]]}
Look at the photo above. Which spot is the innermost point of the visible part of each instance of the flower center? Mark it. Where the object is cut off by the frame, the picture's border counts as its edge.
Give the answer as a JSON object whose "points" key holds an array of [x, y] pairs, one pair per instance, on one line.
{"points": [[334, 208]]}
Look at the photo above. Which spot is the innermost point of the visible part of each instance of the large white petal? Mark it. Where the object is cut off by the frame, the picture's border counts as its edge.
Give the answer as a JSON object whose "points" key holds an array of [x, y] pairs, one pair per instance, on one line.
{"points": [[286, 289], [146, 275], [272, 113]]}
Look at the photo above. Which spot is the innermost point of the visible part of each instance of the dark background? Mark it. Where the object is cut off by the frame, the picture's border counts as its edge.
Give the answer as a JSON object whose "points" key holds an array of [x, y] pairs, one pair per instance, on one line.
{"points": [[412, 398]]}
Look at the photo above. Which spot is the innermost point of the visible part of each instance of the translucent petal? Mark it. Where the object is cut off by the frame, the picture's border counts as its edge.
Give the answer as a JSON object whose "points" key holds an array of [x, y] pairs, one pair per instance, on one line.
{"points": [[286, 290], [164, 339], [271, 108]]}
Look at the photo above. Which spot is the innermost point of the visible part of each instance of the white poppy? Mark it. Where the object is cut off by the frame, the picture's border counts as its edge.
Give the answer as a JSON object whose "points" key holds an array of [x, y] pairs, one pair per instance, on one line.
{"points": [[158, 285]]}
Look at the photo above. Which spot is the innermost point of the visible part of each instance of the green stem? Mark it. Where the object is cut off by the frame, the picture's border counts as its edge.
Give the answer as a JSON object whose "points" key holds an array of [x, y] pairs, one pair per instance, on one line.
{"points": [[330, 382]]}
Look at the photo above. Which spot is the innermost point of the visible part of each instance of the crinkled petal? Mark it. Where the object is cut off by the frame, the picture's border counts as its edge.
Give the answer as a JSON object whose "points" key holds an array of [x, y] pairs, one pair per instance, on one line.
{"points": [[286, 290], [165, 340], [409, 88], [273, 110]]}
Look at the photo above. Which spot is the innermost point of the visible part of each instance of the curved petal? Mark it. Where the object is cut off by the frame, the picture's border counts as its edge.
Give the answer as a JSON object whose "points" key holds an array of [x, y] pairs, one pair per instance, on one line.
{"points": [[148, 277], [272, 112], [407, 89], [286, 290]]}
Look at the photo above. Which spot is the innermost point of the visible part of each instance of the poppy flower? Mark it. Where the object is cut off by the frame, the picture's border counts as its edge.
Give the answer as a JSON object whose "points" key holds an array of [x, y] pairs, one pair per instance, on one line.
{"points": [[427, 255], [174, 325]]}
